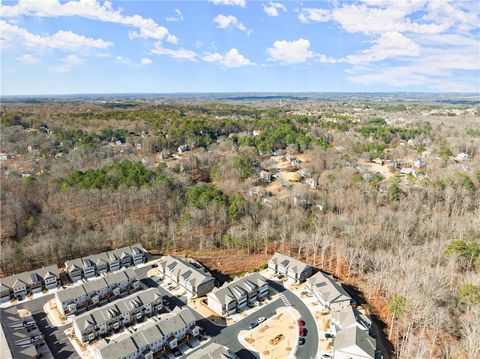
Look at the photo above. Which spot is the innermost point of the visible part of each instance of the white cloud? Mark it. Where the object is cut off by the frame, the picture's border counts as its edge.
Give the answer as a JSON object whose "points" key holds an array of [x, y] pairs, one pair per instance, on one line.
{"points": [[64, 40], [69, 62], [307, 15], [387, 17], [28, 59], [436, 70], [177, 54], [90, 9], [388, 45], [240, 3], [223, 22], [232, 58], [123, 60], [324, 59], [272, 8], [146, 61], [178, 17], [290, 52]]}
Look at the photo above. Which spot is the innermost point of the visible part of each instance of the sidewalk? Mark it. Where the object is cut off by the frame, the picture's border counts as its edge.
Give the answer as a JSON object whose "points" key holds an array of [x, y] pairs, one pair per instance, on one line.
{"points": [[50, 308]]}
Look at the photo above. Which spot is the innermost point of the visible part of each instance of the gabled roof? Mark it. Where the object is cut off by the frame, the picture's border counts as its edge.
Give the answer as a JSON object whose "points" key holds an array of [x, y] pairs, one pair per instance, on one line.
{"points": [[212, 351], [190, 271], [237, 288], [293, 264], [349, 317], [116, 308], [70, 293], [354, 340], [329, 288], [28, 278]]}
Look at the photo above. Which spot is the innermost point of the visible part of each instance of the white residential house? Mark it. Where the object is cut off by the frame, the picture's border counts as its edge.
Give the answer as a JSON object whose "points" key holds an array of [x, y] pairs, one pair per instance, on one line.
{"points": [[234, 296], [18, 286], [328, 292], [110, 261], [188, 274], [74, 299], [289, 267], [158, 336], [110, 318], [350, 317], [353, 343]]}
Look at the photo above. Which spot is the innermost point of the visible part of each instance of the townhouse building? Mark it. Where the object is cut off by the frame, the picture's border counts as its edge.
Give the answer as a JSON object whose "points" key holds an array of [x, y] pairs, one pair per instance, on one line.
{"points": [[234, 296], [188, 274], [121, 313], [353, 343], [213, 351], [77, 298], [159, 337], [350, 317], [291, 268], [18, 286], [330, 294], [110, 261]]}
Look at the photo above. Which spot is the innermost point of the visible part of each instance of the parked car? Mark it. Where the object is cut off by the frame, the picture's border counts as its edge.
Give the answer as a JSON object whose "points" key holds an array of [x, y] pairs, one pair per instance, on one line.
{"points": [[177, 353], [301, 323], [328, 335], [253, 325], [301, 340], [261, 320], [326, 356], [301, 331]]}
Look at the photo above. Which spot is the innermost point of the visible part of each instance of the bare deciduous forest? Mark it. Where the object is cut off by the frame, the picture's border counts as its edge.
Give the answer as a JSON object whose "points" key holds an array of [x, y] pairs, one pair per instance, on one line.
{"points": [[394, 209]]}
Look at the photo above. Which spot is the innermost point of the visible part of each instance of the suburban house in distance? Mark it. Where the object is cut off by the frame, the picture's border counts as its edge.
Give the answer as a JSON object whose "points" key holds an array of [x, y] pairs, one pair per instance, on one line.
{"points": [[213, 351], [328, 292], [163, 335], [188, 274], [102, 321], [353, 343], [18, 286], [233, 296], [96, 264], [73, 299], [289, 267]]}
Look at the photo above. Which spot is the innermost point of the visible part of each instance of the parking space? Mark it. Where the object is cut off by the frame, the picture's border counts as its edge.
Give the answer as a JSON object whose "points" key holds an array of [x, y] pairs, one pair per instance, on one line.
{"points": [[250, 310]]}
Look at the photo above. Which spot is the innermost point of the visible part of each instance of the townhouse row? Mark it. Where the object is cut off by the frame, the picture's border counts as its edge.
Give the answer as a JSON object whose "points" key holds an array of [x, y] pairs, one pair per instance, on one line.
{"points": [[291, 268], [121, 313], [234, 296], [110, 261], [351, 328], [20, 336], [188, 274], [77, 298], [150, 341], [18, 286], [213, 351]]}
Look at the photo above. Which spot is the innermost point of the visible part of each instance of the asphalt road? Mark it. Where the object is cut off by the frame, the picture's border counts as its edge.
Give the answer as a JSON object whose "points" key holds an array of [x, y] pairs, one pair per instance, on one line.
{"points": [[227, 336]]}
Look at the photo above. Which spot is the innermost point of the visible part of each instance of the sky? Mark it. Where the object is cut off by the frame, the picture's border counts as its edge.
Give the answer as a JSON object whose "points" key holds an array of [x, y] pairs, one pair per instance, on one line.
{"points": [[90, 46]]}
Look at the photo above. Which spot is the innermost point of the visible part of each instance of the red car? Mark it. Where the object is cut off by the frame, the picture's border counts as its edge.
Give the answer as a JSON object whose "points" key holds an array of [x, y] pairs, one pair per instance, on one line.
{"points": [[301, 331], [300, 323]]}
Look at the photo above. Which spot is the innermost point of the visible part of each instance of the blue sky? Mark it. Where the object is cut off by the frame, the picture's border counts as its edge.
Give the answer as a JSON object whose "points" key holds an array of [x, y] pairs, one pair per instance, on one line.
{"points": [[88, 46]]}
